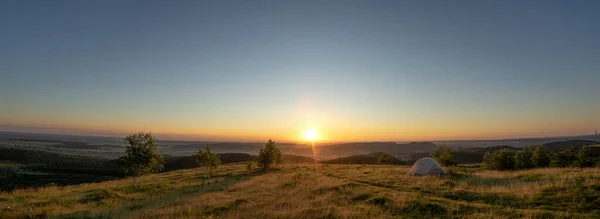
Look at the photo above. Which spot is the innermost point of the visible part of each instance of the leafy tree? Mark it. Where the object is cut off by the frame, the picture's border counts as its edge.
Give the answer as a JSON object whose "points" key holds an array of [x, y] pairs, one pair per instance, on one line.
{"points": [[443, 154], [209, 160], [583, 158], [499, 160], [562, 158], [269, 155], [539, 158], [523, 158], [141, 156], [385, 158]]}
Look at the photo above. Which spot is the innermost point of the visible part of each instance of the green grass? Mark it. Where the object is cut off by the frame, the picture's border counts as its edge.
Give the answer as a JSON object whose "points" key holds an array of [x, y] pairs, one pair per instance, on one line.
{"points": [[321, 191]]}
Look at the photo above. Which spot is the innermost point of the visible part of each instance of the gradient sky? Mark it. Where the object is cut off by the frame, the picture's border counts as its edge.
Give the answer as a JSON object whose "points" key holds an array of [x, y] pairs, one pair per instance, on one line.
{"points": [[352, 70]]}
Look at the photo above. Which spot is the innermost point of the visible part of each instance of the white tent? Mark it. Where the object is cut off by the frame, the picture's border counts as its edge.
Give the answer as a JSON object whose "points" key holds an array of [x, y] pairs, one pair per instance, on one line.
{"points": [[426, 166]]}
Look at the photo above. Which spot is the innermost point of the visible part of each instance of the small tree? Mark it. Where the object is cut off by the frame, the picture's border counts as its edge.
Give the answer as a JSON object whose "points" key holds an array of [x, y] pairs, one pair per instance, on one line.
{"points": [[209, 160], [499, 160], [249, 165], [269, 155], [141, 156], [539, 158], [583, 158], [523, 158], [385, 158], [443, 154], [562, 158]]}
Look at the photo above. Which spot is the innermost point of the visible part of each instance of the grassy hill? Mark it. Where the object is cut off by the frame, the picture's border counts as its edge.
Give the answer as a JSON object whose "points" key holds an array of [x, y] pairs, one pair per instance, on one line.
{"points": [[321, 191], [22, 168]]}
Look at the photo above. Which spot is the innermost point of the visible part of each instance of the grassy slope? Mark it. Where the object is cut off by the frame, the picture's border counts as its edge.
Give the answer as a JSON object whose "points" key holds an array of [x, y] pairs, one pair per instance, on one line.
{"points": [[298, 190]]}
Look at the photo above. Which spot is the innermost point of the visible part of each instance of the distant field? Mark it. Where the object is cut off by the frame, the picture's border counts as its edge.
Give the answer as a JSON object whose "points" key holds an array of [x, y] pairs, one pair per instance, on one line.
{"points": [[323, 191]]}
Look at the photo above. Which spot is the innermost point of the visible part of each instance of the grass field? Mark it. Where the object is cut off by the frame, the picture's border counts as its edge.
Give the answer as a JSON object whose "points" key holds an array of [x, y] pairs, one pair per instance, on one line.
{"points": [[323, 191]]}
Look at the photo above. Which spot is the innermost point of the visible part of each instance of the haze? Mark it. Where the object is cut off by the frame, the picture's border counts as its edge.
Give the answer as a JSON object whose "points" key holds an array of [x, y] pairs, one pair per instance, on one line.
{"points": [[253, 70]]}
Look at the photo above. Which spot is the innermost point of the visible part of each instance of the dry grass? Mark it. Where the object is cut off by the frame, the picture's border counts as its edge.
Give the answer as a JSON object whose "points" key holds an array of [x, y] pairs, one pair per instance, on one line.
{"points": [[324, 191]]}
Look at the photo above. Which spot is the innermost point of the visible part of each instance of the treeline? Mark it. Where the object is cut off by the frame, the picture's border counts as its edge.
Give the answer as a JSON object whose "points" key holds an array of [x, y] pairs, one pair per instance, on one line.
{"points": [[536, 157]]}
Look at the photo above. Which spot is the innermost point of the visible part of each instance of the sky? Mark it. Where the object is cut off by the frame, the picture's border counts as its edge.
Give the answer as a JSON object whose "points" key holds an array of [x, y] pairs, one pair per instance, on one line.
{"points": [[253, 70]]}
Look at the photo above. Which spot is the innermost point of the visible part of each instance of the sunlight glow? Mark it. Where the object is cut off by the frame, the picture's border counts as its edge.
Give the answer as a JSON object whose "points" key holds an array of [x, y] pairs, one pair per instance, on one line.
{"points": [[310, 134]]}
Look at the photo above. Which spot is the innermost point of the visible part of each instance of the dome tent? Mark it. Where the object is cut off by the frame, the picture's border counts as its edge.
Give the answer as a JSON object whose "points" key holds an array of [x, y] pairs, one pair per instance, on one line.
{"points": [[426, 166]]}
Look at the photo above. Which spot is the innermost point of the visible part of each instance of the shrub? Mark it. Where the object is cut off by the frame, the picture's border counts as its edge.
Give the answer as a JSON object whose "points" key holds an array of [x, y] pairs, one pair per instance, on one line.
{"points": [[562, 158], [443, 154], [583, 158], [523, 159], [249, 165], [539, 158], [209, 160], [269, 155], [141, 156], [499, 160], [385, 158]]}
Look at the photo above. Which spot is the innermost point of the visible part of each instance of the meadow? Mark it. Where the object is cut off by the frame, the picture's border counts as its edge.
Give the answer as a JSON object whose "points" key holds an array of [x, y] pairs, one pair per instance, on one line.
{"points": [[320, 191]]}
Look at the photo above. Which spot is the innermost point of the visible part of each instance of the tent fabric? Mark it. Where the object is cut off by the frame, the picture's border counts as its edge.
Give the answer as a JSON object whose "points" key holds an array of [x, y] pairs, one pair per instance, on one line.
{"points": [[426, 166]]}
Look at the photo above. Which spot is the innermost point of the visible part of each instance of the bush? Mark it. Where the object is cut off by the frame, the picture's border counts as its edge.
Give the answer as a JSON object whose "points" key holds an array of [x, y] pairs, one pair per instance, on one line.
{"points": [[539, 158], [269, 155], [385, 158], [583, 158], [141, 156], [209, 160], [499, 160], [443, 154], [562, 158], [249, 165], [523, 159]]}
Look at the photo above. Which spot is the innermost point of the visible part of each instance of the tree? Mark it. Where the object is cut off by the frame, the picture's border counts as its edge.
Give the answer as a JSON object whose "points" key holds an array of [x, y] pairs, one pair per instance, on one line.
{"points": [[209, 160], [499, 160], [385, 158], [562, 158], [523, 158], [249, 165], [443, 154], [141, 156], [539, 158], [269, 155], [583, 158]]}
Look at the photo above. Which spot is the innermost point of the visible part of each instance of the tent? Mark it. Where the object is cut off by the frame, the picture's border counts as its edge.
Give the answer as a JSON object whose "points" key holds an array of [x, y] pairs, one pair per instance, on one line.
{"points": [[426, 166]]}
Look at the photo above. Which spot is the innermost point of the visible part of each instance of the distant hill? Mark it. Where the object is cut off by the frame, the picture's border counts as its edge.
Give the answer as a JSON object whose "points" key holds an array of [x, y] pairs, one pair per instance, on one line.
{"points": [[34, 168], [53, 159], [325, 152], [561, 145], [371, 158]]}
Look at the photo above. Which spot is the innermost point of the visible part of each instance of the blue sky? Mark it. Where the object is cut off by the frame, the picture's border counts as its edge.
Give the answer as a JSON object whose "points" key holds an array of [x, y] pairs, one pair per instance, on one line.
{"points": [[354, 70]]}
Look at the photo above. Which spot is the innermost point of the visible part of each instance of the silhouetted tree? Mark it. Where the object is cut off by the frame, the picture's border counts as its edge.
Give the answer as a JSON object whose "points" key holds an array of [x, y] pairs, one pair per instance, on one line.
{"points": [[269, 155], [141, 156], [385, 158], [443, 154], [499, 160], [209, 160], [539, 158]]}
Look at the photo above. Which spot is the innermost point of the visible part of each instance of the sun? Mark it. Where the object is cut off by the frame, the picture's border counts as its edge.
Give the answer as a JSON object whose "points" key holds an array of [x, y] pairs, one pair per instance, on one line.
{"points": [[310, 134]]}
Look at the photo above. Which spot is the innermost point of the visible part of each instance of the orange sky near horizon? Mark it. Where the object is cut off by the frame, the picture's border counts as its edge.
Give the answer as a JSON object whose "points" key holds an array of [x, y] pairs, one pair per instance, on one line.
{"points": [[328, 129]]}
